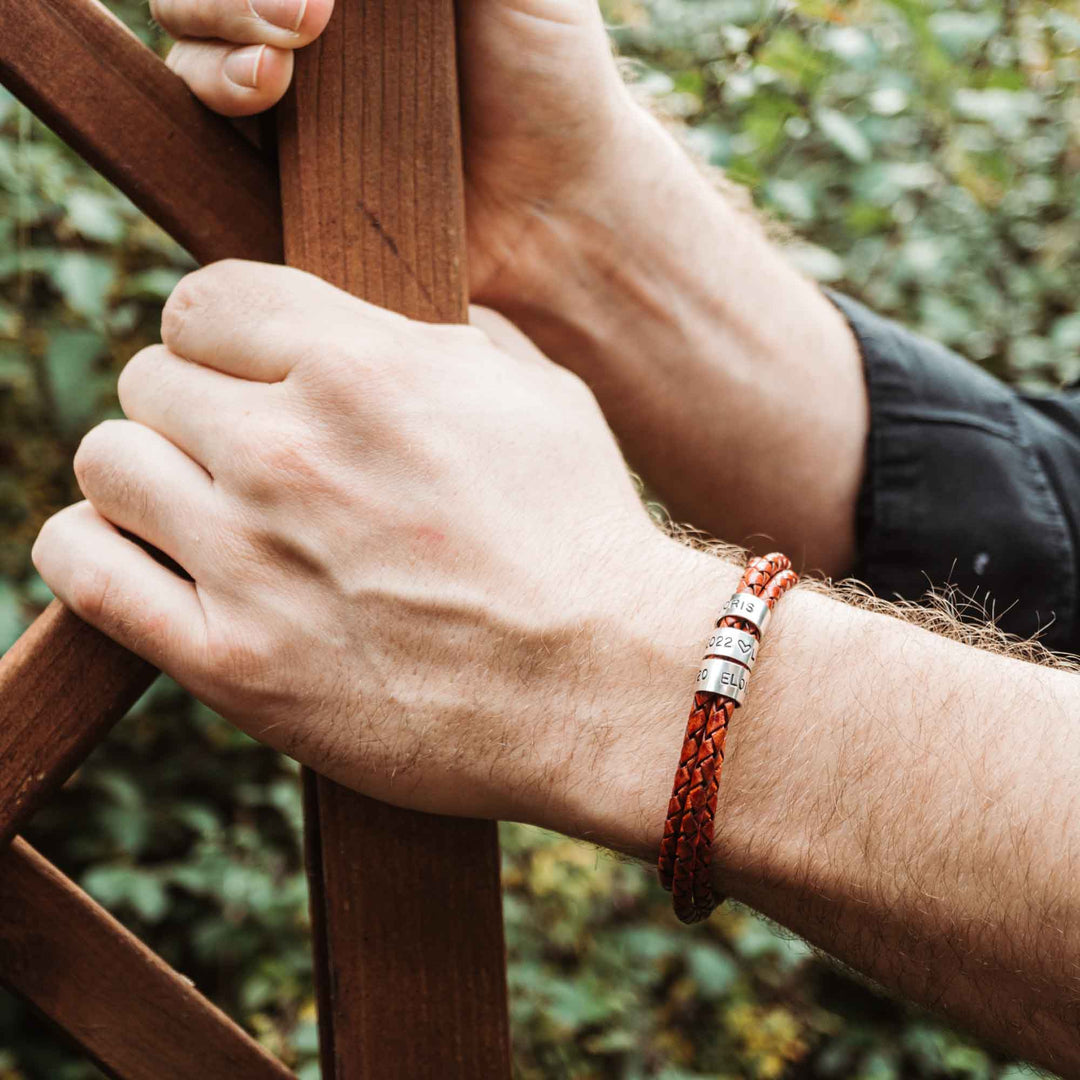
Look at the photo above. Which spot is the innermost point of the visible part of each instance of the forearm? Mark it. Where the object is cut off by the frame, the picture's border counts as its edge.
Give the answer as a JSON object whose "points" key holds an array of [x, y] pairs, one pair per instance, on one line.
{"points": [[903, 801], [697, 337], [906, 803]]}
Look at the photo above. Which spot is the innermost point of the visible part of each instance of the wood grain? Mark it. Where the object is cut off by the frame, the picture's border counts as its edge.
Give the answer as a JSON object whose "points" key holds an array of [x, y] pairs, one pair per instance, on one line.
{"points": [[408, 923], [125, 1007], [62, 687], [93, 82]]}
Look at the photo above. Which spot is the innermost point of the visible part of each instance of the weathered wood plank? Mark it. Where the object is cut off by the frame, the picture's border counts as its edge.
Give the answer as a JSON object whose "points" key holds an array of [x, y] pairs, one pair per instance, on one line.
{"points": [[124, 1006], [62, 687], [409, 943], [93, 82]]}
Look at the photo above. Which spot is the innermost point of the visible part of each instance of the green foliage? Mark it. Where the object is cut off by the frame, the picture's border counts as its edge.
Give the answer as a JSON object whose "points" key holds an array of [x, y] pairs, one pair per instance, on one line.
{"points": [[926, 151], [926, 155]]}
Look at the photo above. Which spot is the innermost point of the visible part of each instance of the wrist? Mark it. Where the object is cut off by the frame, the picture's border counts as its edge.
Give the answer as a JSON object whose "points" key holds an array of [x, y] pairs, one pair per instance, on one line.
{"points": [[662, 293], [614, 760], [578, 267]]}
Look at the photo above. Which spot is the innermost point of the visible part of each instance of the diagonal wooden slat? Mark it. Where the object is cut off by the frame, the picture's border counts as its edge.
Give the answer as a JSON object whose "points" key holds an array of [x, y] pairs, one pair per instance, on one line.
{"points": [[93, 82], [62, 687], [83, 72], [410, 959], [124, 1006]]}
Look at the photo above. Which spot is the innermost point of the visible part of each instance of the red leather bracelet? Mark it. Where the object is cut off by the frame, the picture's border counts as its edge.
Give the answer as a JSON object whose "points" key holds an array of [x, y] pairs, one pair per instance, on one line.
{"points": [[686, 846]]}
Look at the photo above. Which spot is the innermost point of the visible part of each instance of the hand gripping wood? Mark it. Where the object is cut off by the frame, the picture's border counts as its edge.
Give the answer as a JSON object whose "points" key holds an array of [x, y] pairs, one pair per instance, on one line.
{"points": [[409, 950], [64, 684]]}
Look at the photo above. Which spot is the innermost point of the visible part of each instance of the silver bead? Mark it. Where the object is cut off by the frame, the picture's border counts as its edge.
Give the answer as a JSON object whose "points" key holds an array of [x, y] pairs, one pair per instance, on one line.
{"points": [[732, 644], [717, 676], [750, 608]]}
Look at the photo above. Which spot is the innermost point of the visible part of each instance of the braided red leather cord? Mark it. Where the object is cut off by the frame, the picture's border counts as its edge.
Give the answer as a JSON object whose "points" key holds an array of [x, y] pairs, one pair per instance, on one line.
{"points": [[686, 845], [757, 572]]}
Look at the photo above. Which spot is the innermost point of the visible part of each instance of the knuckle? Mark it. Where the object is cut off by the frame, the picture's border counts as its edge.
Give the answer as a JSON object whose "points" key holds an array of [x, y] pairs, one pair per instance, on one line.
{"points": [[278, 459], [137, 372], [193, 294], [287, 456], [95, 457], [90, 590], [103, 470], [182, 302], [48, 539]]}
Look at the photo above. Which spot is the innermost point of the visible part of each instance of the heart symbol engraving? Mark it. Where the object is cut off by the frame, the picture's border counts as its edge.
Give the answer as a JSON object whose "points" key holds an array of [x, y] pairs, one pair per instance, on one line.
{"points": [[745, 646]]}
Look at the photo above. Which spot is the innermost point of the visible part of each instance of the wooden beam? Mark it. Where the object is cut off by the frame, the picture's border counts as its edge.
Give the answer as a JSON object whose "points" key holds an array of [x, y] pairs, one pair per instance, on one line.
{"points": [[410, 958], [62, 687], [101, 90], [125, 1007]]}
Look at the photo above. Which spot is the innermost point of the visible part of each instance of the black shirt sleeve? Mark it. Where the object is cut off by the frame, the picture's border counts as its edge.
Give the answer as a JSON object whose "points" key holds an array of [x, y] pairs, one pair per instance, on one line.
{"points": [[968, 484]]}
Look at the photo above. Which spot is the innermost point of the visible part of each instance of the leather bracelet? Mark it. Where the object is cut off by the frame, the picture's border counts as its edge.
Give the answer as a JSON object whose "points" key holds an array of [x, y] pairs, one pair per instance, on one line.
{"points": [[730, 653]]}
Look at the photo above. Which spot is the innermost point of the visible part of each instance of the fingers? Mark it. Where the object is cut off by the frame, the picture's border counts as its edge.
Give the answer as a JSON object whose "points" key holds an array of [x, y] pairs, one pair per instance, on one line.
{"points": [[258, 322], [233, 81], [287, 24], [194, 407], [142, 483], [116, 586], [237, 55]]}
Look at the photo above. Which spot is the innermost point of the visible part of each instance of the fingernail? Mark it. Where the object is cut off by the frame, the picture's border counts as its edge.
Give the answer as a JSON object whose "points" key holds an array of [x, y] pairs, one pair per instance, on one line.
{"points": [[242, 66], [288, 14]]}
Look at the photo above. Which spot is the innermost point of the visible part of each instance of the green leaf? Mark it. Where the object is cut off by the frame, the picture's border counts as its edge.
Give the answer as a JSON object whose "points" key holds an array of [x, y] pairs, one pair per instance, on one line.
{"points": [[95, 216], [156, 284], [305, 1038], [713, 971], [70, 360], [817, 262], [1008, 111], [793, 198], [84, 281], [960, 31], [880, 1065], [119, 886], [843, 134]]}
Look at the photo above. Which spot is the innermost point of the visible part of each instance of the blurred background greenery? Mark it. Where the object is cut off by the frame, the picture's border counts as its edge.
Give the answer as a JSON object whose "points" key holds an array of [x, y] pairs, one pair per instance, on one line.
{"points": [[926, 156]]}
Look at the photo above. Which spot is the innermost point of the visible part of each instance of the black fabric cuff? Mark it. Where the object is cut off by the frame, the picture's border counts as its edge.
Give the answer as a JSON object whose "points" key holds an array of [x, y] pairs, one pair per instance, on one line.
{"points": [[955, 491]]}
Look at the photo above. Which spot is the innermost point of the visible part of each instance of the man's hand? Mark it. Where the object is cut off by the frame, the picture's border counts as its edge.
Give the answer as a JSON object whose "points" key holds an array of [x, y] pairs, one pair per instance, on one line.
{"points": [[541, 97], [591, 229], [410, 549], [419, 566]]}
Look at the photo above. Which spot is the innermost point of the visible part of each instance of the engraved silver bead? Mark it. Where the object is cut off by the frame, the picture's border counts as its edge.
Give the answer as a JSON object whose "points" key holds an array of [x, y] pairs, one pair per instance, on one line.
{"points": [[717, 676], [750, 608], [731, 644]]}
